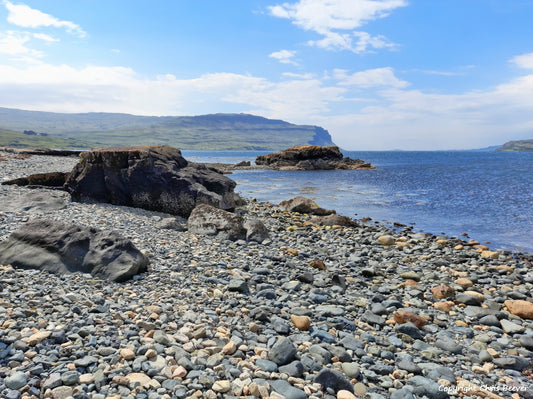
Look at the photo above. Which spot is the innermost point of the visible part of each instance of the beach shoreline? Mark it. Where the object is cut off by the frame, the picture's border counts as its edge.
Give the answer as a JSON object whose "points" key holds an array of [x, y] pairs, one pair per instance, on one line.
{"points": [[216, 318]]}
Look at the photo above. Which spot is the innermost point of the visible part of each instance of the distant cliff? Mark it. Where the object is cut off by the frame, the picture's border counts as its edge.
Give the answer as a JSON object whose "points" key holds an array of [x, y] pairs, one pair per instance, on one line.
{"points": [[517, 145], [204, 132]]}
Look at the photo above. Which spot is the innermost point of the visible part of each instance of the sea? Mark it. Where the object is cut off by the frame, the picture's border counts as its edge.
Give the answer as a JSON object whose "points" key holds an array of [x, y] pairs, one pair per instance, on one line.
{"points": [[483, 195]]}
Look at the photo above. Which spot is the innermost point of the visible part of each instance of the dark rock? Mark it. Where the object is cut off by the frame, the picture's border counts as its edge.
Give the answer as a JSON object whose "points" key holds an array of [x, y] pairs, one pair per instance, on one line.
{"points": [[333, 220], [333, 379], [310, 157], [304, 205], [424, 386], [468, 299], [294, 369], [527, 341], [403, 393], [238, 285], [52, 179], [60, 248], [208, 220], [151, 177], [255, 230], [409, 366], [511, 362], [282, 352], [372, 318], [409, 329], [284, 388]]}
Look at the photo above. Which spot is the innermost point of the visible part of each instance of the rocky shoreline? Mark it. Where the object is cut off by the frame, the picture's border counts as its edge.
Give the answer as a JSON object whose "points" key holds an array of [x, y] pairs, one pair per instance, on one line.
{"points": [[316, 310]]}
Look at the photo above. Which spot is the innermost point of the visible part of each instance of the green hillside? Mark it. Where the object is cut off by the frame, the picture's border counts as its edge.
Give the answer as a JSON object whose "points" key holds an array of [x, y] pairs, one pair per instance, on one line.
{"points": [[9, 138], [205, 132], [518, 145]]}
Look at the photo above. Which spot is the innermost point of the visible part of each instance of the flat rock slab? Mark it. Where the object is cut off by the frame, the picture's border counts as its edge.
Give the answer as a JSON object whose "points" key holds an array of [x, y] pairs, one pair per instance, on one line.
{"points": [[60, 248], [34, 201]]}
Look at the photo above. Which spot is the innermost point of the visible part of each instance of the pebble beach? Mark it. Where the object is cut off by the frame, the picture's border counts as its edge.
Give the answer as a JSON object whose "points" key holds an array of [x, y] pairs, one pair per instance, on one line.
{"points": [[311, 312]]}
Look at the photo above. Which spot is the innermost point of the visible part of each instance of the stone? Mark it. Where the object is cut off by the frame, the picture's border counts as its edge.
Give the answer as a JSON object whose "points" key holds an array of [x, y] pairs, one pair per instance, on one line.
{"points": [[310, 157], [509, 327], [157, 178], [127, 353], [208, 220], [344, 394], [65, 248], [139, 378], [443, 291], [287, 390], [302, 323], [63, 392], [333, 379], [282, 352], [521, 308], [402, 316], [527, 341], [303, 205], [238, 285], [317, 264], [409, 329], [490, 254], [16, 380], [221, 386], [386, 240], [351, 369], [37, 337], [333, 220], [255, 230], [424, 386]]}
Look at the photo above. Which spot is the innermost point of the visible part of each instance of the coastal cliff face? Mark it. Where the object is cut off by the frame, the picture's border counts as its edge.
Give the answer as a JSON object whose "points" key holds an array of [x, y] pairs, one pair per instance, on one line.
{"points": [[310, 157]]}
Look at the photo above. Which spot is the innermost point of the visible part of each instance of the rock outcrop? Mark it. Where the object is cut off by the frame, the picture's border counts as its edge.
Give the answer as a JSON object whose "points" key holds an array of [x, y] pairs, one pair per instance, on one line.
{"points": [[60, 248], [310, 157], [156, 178]]}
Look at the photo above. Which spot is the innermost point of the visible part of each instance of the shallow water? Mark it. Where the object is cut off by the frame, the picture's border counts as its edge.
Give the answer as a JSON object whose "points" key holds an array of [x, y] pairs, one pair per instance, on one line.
{"points": [[488, 195]]}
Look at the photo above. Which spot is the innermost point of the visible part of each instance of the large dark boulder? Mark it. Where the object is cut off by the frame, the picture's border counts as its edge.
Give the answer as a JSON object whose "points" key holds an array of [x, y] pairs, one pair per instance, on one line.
{"points": [[60, 248], [310, 157], [151, 177]]}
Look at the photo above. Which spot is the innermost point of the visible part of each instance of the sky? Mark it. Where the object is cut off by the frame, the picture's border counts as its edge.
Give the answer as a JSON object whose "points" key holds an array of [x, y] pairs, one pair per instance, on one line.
{"points": [[377, 74]]}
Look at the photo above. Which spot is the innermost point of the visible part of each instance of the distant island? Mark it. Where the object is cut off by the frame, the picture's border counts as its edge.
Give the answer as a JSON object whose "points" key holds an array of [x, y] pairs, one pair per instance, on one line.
{"points": [[517, 145], [20, 128]]}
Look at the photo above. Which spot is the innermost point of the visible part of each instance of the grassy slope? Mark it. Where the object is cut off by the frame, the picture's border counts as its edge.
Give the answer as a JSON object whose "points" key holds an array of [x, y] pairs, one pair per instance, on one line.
{"points": [[9, 138], [518, 145]]}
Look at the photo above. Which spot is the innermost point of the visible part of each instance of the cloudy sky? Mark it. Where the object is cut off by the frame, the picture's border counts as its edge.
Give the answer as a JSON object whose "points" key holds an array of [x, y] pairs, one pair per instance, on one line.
{"points": [[378, 74]]}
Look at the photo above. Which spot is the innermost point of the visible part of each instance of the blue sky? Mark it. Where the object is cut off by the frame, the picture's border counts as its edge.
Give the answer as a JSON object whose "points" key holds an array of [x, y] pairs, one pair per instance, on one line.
{"points": [[388, 74]]}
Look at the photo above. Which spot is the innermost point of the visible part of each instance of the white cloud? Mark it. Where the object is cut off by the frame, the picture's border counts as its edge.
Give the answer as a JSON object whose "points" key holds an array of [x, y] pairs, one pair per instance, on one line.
{"points": [[14, 44], [284, 56], [371, 78], [45, 37], [27, 17], [524, 61], [337, 21]]}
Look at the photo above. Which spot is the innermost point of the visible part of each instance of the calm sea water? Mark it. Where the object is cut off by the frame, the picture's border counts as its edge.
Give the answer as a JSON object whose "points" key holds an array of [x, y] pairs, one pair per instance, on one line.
{"points": [[488, 195]]}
